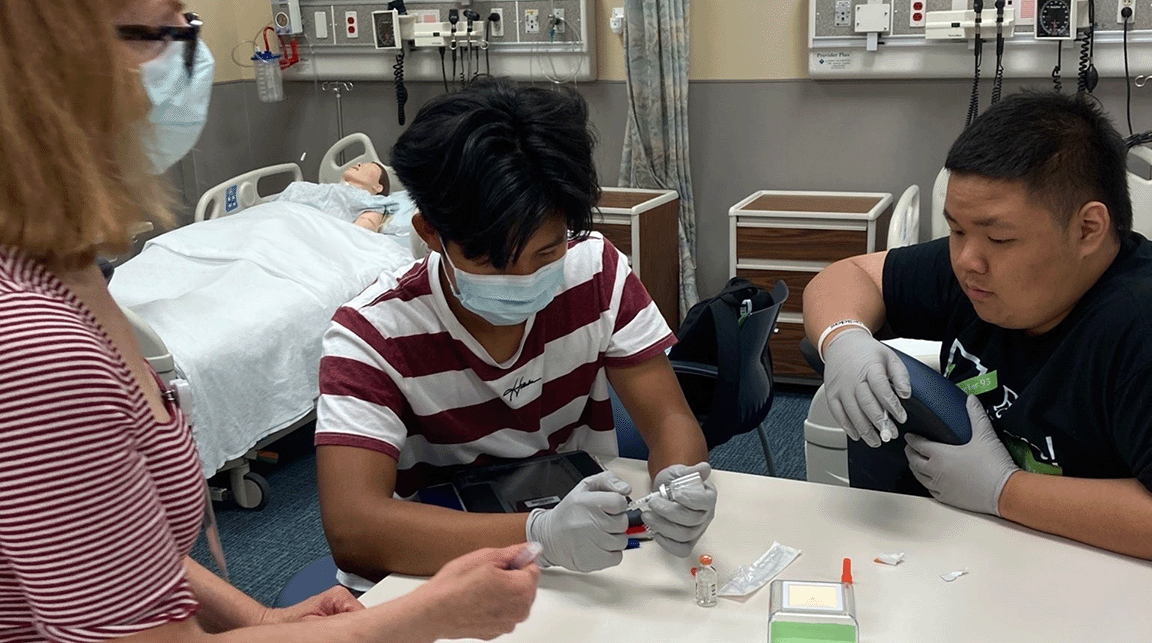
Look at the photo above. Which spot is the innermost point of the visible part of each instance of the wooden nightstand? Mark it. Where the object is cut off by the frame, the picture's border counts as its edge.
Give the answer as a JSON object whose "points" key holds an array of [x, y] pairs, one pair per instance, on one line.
{"points": [[645, 224], [792, 236]]}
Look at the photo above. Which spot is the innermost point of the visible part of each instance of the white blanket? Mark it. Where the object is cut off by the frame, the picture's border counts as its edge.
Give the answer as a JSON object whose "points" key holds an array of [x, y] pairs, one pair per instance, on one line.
{"points": [[242, 303]]}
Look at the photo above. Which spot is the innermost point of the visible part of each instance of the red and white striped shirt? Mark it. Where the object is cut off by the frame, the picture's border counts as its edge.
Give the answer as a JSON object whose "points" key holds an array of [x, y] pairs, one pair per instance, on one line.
{"points": [[400, 374], [99, 502]]}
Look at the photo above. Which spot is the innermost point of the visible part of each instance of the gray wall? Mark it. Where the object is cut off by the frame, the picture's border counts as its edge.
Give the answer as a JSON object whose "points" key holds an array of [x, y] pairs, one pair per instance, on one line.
{"points": [[745, 136]]}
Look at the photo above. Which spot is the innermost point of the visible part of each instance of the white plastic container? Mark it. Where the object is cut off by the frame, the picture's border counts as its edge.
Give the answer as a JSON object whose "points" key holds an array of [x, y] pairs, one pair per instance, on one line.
{"points": [[269, 80]]}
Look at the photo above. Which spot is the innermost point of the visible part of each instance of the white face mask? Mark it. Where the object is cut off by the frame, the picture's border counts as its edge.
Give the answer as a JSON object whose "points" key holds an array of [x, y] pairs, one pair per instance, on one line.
{"points": [[507, 300], [179, 102]]}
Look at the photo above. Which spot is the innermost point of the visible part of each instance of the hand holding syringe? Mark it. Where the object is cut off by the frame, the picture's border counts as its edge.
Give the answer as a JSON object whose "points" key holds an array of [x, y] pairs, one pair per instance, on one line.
{"points": [[690, 482]]}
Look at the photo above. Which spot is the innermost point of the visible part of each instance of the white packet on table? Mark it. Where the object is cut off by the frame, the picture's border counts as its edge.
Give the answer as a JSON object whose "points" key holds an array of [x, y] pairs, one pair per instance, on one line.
{"points": [[747, 579]]}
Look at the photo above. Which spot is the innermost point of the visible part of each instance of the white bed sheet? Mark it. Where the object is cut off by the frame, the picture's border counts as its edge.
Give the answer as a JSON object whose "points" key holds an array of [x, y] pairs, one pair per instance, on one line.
{"points": [[242, 303]]}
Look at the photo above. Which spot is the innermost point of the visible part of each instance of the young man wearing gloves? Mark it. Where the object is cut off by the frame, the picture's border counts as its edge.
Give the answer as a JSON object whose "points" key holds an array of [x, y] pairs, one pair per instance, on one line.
{"points": [[500, 344], [1042, 297]]}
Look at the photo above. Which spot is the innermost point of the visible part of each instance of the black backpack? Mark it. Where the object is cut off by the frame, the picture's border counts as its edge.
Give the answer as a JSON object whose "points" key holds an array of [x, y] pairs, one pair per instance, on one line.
{"points": [[707, 357]]}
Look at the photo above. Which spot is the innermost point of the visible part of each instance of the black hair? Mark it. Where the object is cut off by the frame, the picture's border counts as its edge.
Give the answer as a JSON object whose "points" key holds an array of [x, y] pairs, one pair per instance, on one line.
{"points": [[1061, 146], [487, 166]]}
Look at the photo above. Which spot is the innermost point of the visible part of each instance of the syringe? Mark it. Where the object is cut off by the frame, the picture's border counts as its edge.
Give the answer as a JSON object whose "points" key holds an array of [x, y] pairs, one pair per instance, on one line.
{"points": [[670, 490]]}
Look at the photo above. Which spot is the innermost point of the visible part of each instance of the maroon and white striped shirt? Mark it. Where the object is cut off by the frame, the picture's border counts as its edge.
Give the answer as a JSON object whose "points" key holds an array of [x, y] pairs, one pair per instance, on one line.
{"points": [[99, 502], [400, 374]]}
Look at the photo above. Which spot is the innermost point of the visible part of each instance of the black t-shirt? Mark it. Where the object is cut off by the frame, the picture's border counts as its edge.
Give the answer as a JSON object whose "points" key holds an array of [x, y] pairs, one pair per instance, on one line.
{"points": [[1075, 401]]}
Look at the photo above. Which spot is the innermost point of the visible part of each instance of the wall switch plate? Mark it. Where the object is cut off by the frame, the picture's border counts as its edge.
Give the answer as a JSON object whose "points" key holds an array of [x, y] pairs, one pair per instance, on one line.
{"points": [[843, 15], [321, 20], [873, 18], [531, 21], [616, 22]]}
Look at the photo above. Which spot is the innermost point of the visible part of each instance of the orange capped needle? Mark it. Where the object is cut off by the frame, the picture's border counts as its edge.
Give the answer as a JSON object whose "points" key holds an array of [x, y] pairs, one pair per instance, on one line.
{"points": [[846, 576]]}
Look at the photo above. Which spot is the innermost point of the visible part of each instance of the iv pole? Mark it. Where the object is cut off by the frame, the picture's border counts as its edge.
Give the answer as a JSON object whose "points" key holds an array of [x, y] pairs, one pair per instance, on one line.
{"points": [[338, 86]]}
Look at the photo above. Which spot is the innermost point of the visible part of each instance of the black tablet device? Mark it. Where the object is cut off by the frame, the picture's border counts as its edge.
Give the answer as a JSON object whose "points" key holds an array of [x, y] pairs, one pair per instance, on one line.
{"points": [[513, 487]]}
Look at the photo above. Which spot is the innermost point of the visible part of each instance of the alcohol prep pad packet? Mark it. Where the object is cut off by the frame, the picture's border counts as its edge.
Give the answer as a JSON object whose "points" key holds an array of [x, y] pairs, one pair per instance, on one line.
{"points": [[749, 578]]}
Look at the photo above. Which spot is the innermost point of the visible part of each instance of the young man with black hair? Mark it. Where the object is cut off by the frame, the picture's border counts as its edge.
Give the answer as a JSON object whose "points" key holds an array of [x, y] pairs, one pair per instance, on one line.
{"points": [[500, 344], [1042, 297]]}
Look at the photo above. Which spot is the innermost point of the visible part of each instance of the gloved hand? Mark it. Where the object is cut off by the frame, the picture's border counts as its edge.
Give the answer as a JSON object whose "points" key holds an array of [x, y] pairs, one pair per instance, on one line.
{"points": [[586, 531], [864, 381], [969, 476], [677, 524]]}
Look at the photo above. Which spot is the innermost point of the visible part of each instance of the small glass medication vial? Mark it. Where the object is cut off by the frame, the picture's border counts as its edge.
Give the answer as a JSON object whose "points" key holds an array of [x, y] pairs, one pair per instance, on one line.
{"points": [[706, 582]]}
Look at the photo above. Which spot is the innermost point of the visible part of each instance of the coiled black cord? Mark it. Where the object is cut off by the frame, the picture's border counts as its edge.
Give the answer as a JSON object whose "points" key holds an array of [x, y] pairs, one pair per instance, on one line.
{"points": [[1085, 60], [401, 90], [443, 70], [1087, 77], [974, 102], [998, 83], [1056, 70], [1126, 13]]}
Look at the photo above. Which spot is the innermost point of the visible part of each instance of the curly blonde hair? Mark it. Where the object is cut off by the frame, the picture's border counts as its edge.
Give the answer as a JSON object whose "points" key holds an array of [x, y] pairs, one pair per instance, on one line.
{"points": [[73, 121]]}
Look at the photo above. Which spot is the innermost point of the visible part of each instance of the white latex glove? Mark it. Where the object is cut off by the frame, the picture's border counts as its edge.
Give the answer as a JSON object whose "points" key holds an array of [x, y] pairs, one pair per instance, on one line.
{"points": [[969, 476], [864, 381], [677, 524], [586, 531]]}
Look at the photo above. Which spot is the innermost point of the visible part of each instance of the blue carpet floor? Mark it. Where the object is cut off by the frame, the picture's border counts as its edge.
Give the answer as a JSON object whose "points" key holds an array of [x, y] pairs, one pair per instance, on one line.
{"points": [[264, 549]]}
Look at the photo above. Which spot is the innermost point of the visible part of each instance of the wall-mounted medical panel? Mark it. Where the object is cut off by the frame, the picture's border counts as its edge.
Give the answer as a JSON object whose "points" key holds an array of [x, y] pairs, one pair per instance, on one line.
{"points": [[935, 38], [543, 40]]}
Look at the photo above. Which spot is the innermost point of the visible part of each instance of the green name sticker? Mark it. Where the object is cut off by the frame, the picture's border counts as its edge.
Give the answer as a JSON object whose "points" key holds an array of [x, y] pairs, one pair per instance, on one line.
{"points": [[980, 384], [792, 632]]}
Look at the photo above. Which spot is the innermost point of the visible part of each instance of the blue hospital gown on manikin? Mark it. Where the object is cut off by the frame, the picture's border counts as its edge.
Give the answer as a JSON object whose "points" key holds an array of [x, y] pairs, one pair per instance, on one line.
{"points": [[344, 202]]}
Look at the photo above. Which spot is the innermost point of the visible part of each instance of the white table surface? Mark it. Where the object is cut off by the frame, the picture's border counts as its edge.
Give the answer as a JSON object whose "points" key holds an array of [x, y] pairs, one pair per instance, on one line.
{"points": [[1022, 585]]}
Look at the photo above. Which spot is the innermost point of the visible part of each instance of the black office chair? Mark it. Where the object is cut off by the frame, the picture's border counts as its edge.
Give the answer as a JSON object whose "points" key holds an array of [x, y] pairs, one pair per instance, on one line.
{"points": [[936, 410], [728, 387]]}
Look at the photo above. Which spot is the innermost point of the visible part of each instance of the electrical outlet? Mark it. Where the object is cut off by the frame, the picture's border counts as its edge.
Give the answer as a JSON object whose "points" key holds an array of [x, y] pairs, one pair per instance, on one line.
{"points": [[1131, 4], [916, 11], [531, 21], [843, 15], [558, 21], [496, 27]]}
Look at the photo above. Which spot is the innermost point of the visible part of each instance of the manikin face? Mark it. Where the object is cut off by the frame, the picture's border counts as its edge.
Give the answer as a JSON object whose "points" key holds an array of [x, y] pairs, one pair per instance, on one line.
{"points": [[366, 176]]}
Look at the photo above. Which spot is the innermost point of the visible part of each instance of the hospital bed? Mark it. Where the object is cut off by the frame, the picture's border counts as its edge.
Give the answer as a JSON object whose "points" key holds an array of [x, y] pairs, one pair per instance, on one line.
{"points": [[232, 308], [825, 443]]}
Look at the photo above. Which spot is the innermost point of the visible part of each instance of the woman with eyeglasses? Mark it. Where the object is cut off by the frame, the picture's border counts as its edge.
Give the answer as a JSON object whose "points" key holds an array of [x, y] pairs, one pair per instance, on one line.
{"points": [[101, 495]]}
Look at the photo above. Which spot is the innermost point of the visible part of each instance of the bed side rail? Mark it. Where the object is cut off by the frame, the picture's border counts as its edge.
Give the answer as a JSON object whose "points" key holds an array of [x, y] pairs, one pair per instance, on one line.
{"points": [[240, 192]]}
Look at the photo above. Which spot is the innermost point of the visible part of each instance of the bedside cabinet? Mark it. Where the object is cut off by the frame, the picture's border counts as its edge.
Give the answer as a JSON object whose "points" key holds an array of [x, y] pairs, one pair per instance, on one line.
{"points": [[787, 235], [644, 225]]}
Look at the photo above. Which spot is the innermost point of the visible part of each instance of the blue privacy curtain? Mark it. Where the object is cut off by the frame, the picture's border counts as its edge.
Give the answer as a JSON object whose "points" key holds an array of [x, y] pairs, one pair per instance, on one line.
{"points": [[656, 135]]}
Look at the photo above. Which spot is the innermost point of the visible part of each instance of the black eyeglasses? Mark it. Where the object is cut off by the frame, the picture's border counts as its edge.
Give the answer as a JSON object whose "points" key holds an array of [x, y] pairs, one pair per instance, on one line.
{"points": [[189, 35]]}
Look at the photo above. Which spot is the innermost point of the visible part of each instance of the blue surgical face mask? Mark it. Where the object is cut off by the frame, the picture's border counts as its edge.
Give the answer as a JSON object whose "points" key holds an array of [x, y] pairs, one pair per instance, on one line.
{"points": [[179, 102], [507, 300]]}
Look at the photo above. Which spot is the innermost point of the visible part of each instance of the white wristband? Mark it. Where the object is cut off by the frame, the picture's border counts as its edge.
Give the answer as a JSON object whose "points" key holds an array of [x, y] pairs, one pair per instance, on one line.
{"points": [[834, 326]]}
